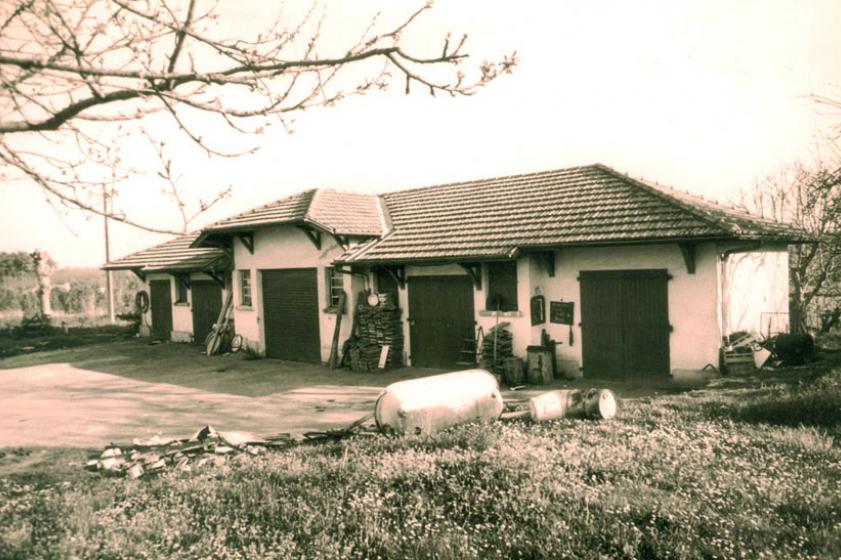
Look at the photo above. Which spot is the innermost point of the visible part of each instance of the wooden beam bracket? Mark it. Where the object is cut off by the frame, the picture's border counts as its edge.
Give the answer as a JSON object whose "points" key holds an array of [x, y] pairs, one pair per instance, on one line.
{"points": [[688, 252], [313, 234], [139, 274], [218, 278], [184, 279], [474, 270], [398, 273], [247, 239], [342, 240]]}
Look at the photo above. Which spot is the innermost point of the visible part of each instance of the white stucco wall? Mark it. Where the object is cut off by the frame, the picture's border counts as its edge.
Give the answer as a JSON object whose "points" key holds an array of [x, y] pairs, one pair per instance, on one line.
{"points": [[287, 246], [693, 302]]}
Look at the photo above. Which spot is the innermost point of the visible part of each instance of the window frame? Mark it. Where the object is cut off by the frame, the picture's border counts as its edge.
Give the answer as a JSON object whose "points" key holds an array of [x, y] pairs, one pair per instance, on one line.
{"points": [[182, 290], [331, 276], [502, 282], [245, 288]]}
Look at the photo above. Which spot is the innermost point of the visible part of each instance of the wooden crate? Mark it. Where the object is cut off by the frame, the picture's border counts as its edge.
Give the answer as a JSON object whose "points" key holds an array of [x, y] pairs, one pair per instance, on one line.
{"points": [[736, 363]]}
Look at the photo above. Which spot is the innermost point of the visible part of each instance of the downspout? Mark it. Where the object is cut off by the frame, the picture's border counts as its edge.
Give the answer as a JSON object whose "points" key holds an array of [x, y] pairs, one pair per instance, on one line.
{"points": [[723, 296]]}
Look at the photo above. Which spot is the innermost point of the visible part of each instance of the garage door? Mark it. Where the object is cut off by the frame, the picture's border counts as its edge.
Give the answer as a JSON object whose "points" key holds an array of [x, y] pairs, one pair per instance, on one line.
{"points": [[290, 311], [440, 319], [625, 324], [207, 303], [160, 295]]}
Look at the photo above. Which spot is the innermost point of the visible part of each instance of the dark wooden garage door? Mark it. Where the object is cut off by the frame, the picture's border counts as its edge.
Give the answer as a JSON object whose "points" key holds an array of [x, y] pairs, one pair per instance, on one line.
{"points": [[207, 303], [625, 324], [160, 295], [440, 318], [290, 311]]}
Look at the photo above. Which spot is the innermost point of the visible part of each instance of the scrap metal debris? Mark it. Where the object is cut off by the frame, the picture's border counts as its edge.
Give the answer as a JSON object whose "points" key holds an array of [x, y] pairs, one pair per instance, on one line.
{"points": [[418, 406], [153, 455]]}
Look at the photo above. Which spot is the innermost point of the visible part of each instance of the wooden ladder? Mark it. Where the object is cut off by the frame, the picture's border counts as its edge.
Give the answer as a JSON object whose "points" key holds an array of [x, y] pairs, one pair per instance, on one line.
{"points": [[467, 355]]}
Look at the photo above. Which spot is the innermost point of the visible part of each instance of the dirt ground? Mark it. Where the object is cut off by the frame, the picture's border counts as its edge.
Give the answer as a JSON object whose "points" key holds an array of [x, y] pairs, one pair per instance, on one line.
{"points": [[93, 395]]}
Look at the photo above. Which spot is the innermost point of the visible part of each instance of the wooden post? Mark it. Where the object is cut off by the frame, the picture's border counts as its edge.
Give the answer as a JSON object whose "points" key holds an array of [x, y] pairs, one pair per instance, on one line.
{"points": [[334, 348], [109, 288]]}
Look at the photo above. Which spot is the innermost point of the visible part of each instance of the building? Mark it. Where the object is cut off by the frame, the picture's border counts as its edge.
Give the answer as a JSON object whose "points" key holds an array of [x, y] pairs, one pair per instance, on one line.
{"points": [[630, 279], [185, 286]]}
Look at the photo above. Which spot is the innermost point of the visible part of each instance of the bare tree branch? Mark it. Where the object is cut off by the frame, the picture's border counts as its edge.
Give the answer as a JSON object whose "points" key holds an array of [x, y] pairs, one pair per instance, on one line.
{"points": [[72, 70]]}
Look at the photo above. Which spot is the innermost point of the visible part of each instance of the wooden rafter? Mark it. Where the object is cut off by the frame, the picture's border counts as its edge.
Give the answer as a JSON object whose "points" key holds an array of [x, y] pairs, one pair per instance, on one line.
{"points": [[688, 252], [474, 270]]}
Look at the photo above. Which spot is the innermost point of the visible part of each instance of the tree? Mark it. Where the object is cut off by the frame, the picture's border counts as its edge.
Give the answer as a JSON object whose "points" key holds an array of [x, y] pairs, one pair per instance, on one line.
{"points": [[81, 78], [810, 198]]}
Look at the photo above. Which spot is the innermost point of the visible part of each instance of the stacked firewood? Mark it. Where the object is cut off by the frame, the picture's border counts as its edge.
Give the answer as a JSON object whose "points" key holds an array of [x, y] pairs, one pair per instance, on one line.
{"points": [[363, 356], [378, 325], [500, 338]]}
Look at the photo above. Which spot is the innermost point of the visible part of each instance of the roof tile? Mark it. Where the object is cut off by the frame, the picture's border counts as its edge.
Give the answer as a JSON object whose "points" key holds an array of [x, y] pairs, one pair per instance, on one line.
{"points": [[337, 212], [174, 255], [582, 205]]}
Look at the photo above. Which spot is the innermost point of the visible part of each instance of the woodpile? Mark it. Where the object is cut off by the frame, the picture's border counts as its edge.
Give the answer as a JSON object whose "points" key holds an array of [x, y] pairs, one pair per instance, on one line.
{"points": [[377, 326], [497, 345]]}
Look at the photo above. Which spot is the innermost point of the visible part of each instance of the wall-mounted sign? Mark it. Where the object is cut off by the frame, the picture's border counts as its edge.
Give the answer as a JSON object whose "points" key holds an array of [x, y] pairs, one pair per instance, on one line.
{"points": [[561, 312], [538, 310]]}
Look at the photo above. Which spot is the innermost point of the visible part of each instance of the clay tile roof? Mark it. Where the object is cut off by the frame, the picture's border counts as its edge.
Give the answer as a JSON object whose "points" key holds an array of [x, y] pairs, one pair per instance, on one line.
{"points": [[175, 255], [495, 218], [336, 212]]}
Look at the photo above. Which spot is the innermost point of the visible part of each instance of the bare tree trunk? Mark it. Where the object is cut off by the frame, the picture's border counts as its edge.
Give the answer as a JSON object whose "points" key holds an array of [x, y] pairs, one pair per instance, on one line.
{"points": [[795, 310]]}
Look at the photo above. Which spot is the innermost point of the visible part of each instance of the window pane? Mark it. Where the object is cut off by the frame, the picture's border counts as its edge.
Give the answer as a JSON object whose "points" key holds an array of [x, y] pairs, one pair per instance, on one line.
{"points": [[335, 284], [180, 290], [502, 286], [245, 287]]}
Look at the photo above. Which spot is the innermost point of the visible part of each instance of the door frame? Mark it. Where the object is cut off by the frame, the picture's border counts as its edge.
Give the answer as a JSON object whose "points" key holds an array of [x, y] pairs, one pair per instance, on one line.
{"points": [[193, 305], [660, 274], [155, 332], [260, 301], [413, 333]]}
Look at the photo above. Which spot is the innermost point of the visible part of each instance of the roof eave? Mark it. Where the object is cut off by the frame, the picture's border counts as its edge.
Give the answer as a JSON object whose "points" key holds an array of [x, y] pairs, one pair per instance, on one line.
{"points": [[781, 240]]}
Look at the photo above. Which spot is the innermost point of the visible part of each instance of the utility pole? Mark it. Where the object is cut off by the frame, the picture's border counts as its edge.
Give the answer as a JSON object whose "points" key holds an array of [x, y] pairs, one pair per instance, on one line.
{"points": [[108, 274]]}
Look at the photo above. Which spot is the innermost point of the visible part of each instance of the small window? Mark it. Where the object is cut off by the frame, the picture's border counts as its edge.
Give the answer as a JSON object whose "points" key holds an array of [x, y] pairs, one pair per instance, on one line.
{"points": [[335, 286], [502, 286], [245, 288], [181, 287]]}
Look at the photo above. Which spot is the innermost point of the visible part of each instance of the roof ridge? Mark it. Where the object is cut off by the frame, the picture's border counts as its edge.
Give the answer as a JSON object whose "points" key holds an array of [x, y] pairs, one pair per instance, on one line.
{"points": [[488, 179], [267, 205]]}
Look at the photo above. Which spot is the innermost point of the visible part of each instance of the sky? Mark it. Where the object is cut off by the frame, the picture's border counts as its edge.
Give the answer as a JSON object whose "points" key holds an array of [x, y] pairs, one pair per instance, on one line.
{"points": [[708, 97]]}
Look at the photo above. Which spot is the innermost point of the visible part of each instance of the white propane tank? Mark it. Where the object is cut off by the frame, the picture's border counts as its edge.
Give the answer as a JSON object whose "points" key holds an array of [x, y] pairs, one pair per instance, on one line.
{"points": [[431, 404]]}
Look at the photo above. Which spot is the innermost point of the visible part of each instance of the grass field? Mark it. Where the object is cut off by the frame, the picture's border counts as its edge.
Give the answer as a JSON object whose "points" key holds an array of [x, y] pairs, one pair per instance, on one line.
{"points": [[745, 469]]}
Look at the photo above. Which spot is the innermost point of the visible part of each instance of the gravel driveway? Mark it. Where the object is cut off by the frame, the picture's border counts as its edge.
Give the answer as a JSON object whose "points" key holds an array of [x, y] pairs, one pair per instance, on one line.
{"points": [[94, 395]]}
